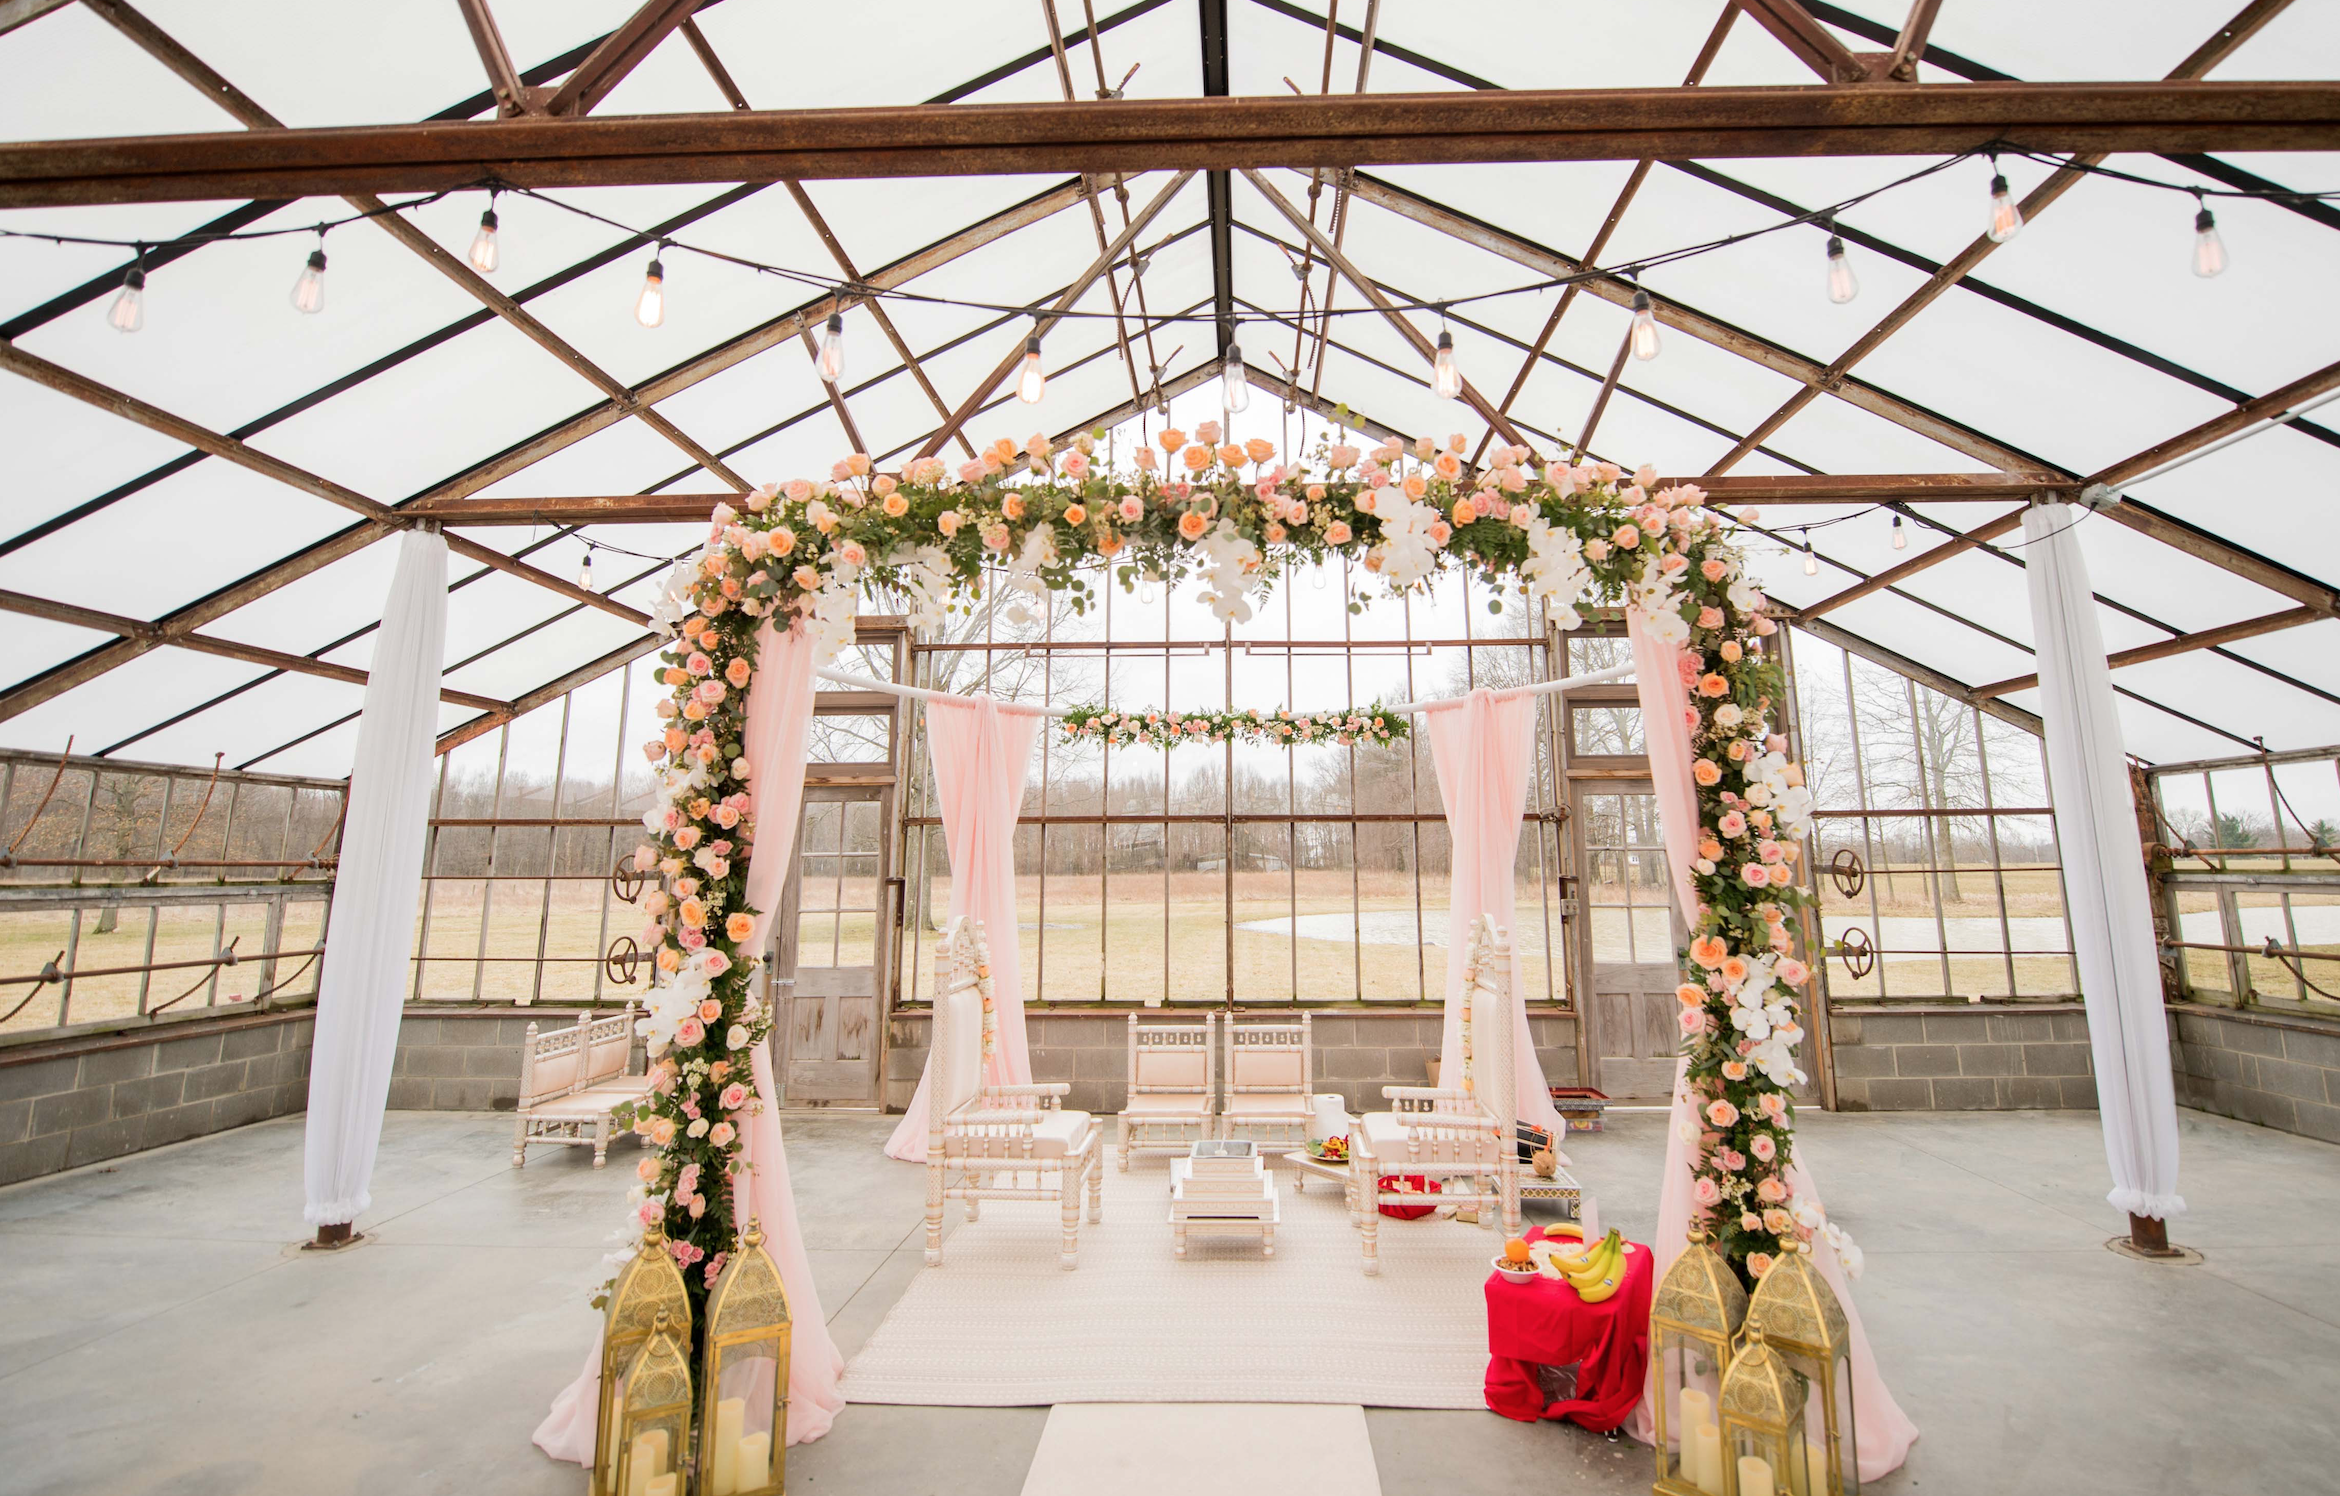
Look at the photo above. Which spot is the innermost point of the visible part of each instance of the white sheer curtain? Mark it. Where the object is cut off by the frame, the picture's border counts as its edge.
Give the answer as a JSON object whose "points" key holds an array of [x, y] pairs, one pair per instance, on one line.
{"points": [[2104, 872], [362, 987]]}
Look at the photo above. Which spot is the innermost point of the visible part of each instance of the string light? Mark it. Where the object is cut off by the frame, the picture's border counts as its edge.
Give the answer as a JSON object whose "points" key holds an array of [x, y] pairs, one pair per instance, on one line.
{"points": [[1234, 381], [1811, 562], [833, 348], [585, 569], [1032, 383], [2006, 218], [1900, 536], [1843, 285], [1645, 330], [308, 292], [650, 306], [128, 313], [484, 256], [1445, 379], [2209, 249]]}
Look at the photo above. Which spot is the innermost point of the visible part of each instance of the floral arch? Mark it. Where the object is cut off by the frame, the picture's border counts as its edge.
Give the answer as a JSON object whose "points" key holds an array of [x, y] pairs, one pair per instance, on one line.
{"points": [[802, 553]]}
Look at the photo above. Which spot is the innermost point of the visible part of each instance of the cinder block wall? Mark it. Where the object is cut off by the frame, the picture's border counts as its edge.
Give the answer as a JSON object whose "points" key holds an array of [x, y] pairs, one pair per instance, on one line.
{"points": [[2268, 1068], [1962, 1057], [85, 1099], [1357, 1051]]}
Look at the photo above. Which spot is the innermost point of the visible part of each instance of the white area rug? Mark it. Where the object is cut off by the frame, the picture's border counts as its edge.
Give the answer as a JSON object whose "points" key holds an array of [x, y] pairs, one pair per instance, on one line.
{"points": [[1202, 1449], [999, 1324]]}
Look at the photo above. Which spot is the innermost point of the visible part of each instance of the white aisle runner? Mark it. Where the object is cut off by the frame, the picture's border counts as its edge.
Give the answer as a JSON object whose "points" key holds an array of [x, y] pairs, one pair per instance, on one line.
{"points": [[1203, 1449], [999, 1324]]}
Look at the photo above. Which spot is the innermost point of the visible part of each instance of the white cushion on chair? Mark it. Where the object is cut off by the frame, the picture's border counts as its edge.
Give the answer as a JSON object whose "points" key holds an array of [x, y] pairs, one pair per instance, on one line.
{"points": [[1257, 1106], [959, 1071], [1385, 1133], [1170, 1067], [1192, 1105], [1265, 1067]]}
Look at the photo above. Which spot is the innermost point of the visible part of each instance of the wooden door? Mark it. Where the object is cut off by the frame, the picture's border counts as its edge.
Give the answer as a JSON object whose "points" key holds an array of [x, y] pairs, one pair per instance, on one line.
{"points": [[830, 965], [1626, 935]]}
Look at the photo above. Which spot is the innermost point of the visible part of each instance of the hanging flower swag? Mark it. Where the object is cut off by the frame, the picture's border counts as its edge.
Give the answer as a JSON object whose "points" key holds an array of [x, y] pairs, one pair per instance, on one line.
{"points": [[1228, 514], [1281, 729]]}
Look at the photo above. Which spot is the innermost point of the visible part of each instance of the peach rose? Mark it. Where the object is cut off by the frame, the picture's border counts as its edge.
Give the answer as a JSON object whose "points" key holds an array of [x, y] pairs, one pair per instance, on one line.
{"points": [[693, 914], [1465, 512], [1708, 951], [1759, 1263], [1712, 684], [1192, 525], [1337, 533], [1075, 514], [1706, 771], [1720, 1113], [739, 927]]}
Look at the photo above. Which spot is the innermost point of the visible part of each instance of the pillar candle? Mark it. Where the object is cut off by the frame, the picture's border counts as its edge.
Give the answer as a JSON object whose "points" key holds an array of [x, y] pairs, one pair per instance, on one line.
{"points": [[1754, 1476], [1816, 1462], [1697, 1411], [648, 1461], [730, 1423], [755, 1462], [1708, 1439], [665, 1485]]}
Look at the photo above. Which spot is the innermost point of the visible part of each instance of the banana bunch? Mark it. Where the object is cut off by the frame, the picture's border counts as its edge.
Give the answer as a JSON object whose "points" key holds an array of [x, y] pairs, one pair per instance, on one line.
{"points": [[1596, 1270]]}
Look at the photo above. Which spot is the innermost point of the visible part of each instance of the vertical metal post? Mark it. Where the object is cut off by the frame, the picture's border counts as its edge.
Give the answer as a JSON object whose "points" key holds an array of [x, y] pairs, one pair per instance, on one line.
{"points": [[552, 848], [487, 887]]}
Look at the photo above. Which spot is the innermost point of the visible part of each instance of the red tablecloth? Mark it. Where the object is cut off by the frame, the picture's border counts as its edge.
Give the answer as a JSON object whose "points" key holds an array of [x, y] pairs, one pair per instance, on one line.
{"points": [[1544, 1323]]}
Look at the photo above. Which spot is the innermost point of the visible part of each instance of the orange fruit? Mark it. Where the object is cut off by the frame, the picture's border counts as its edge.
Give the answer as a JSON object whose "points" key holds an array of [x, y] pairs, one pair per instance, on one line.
{"points": [[1515, 1250]]}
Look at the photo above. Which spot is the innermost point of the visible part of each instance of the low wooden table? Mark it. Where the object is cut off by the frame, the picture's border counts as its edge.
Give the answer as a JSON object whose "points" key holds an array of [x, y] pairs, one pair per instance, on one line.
{"points": [[1317, 1168], [1222, 1200]]}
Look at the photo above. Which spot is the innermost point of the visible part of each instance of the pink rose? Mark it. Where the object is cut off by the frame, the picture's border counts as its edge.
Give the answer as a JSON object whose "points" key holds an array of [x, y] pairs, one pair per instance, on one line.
{"points": [[734, 1097], [688, 1033], [1720, 1113], [1705, 1191], [721, 1134], [1764, 1148], [1771, 1191]]}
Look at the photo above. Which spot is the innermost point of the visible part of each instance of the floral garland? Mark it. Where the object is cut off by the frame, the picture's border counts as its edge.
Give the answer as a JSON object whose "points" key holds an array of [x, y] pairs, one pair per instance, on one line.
{"points": [[1282, 729], [1553, 534]]}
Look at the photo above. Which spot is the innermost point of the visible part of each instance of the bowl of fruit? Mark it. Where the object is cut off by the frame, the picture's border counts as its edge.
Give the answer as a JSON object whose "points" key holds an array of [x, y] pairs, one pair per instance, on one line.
{"points": [[1515, 1264], [1332, 1150]]}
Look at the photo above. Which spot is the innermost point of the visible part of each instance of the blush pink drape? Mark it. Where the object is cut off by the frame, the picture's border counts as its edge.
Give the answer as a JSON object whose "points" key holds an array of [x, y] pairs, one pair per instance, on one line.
{"points": [[1660, 672], [981, 753], [1485, 751], [779, 720]]}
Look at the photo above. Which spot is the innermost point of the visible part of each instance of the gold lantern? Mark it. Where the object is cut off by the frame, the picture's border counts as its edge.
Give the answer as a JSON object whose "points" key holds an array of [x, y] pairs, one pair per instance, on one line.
{"points": [[649, 1286], [1764, 1451], [1805, 1326], [1694, 1319], [743, 1378], [654, 1415]]}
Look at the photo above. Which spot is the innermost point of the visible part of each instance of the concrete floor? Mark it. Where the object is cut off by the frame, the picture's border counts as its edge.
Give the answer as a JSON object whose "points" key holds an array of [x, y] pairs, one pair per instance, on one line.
{"points": [[160, 1338]]}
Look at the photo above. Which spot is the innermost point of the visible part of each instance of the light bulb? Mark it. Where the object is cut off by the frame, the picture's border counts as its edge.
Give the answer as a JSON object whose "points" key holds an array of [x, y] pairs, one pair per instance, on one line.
{"points": [[308, 293], [128, 313], [833, 348], [1445, 378], [483, 244], [1900, 536], [650, 306], [1645, 331], [1843, 286], [585, 570], [1811, 562], [1033, 382], [1234, 381], [2006, 218], [2209, 249]]}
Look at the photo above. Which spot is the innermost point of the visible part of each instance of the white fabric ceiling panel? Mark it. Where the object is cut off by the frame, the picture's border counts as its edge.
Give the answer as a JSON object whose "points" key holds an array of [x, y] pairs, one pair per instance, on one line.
{"points": [[409, 428], [173, 541]]}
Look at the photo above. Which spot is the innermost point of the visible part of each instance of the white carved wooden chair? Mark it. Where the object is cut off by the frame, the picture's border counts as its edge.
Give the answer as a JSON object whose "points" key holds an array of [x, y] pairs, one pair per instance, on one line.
{"points": [[988, 1142], [1268, 1081], [1172, 1092], [1461, 1138], [572, 1079]]}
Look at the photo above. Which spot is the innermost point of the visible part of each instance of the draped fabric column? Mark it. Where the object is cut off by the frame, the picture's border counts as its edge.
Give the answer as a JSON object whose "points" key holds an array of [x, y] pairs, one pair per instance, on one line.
{"points": [[2104, 874], [981, 753], [1660, 673], [361, 991], [779, 720], [1485, 753]]}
